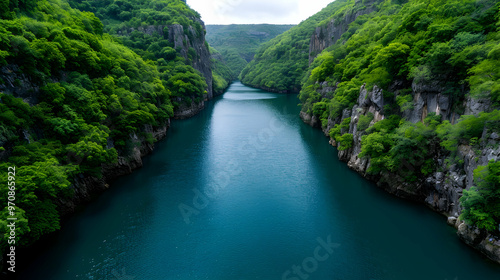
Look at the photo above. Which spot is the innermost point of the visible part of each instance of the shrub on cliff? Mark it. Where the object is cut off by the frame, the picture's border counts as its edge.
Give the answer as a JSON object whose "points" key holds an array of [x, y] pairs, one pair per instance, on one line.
{"points": [[364, 121], [482, 203]]}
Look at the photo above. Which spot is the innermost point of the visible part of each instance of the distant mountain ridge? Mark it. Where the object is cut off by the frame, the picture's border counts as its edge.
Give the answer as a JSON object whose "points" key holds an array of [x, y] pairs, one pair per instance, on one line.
{"points": [[238, 43]]}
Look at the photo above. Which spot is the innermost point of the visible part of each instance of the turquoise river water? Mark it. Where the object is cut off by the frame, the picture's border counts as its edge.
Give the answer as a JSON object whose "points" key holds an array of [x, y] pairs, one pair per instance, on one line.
{"points": [[245, 190]]}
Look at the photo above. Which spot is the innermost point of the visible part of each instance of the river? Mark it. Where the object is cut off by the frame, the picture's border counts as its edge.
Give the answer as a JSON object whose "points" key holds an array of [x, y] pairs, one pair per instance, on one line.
{"points": [[245, 190]]}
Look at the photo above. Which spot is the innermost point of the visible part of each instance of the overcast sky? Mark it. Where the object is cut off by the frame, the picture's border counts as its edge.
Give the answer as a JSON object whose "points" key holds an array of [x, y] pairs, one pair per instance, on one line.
{"points": [[256, 11]]}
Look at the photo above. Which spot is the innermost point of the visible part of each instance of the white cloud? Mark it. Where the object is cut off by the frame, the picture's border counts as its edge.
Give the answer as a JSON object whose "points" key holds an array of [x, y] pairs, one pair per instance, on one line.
{"points": [[256, 11]]}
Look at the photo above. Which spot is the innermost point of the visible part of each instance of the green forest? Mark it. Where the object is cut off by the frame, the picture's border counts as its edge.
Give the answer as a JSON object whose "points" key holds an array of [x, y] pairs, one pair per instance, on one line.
{"points": [[452, 45], [281, 63], [85, 84], [124, 18], [238, 43], [76, 96], [222, 73]]}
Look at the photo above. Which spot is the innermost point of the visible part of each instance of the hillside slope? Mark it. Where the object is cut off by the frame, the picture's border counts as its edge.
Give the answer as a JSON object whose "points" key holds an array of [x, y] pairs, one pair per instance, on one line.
{"points": [[165, 31], [221, 72], [78, 108], [408, 92], [281, 64], [238, 43]]}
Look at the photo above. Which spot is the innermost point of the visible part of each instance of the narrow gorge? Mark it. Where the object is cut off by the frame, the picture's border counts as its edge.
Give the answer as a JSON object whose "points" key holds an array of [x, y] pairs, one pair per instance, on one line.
{"points": [[148, 143]]}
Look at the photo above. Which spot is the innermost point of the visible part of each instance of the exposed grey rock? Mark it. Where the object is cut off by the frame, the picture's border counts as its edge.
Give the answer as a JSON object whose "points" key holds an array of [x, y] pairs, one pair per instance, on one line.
{"points": [[452, 221], [346, 113], [419, 109], [175, 34], [18, 84], [325, 90], [310, 120], [427, 87], [363, 100], [27, 135], [325, 36], [429, 97], [377, 98], [186, 111], [474, 106], [202, 62], [441, 190], [485, 243], [444, 104], [331, 123], [432, 103]]}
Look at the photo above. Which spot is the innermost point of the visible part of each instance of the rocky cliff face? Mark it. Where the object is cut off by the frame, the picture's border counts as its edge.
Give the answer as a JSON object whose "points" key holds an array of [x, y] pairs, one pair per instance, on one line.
{"points": [[326, 35], [441, 190], [187, 111], [176, 34], [183, 40], [17, 83], [429, 98]]}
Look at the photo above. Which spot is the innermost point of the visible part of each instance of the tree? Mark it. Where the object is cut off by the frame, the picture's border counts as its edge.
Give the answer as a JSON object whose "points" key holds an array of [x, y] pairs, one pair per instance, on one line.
{"points": [[53, 93], [91, 149], [364, 121], [376, 146], [345, 142], [4, 9], [393, 57], [482, 203]]}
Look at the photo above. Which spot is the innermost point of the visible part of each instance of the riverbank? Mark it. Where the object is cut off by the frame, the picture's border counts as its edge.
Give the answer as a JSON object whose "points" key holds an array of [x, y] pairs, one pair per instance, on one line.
{"points": [[86, 187], [245, 189], [440, 190]]}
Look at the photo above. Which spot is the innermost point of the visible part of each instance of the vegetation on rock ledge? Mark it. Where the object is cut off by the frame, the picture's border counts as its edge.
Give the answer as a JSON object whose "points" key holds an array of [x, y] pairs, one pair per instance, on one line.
{"points": [[449, 47], [90, 97]]}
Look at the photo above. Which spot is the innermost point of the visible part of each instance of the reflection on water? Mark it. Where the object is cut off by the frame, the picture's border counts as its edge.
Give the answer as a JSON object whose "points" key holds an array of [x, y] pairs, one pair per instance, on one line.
{"points": [[245, 190]]}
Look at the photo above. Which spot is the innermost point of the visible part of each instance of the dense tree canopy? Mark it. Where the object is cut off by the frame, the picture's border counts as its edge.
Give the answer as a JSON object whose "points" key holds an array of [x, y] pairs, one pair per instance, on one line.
{"points": [[451, 45], [90, 97], [126, 19], [482, 203], [281, 63], [221, 72], [238, 43]]}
